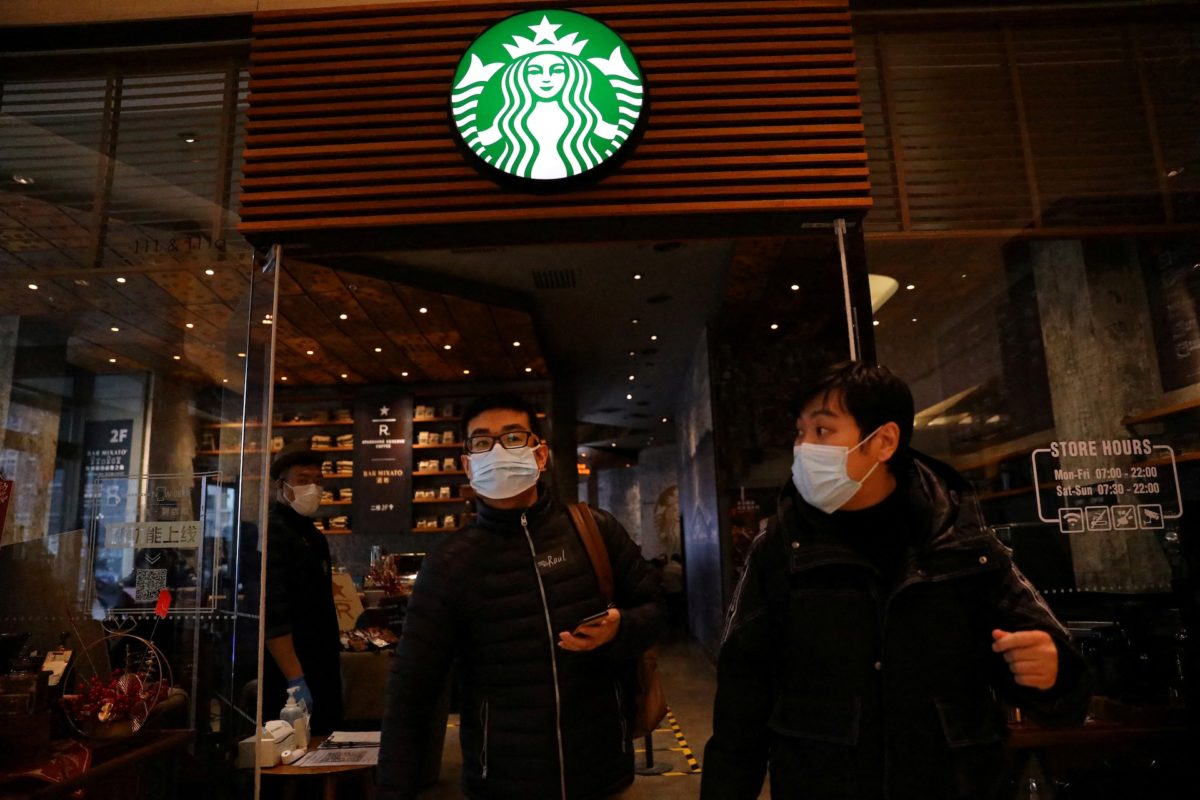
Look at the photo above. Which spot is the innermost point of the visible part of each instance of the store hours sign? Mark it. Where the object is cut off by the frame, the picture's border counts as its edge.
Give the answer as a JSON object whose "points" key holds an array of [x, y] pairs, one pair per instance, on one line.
{"points": [[547, 96], [1107, 485]]}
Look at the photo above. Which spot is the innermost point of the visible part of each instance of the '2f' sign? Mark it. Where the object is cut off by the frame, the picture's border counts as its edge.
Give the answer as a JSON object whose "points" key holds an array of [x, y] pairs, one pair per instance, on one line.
{"points": [[118, 435]]}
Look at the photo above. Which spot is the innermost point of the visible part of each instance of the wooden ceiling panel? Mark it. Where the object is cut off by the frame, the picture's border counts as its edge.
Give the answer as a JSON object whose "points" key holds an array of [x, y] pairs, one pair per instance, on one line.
{"points": [[733, 85]]}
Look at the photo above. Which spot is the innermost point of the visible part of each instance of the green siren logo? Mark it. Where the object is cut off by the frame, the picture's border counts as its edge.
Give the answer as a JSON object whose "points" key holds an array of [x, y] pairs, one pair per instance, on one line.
{"points": [[547, 95]]}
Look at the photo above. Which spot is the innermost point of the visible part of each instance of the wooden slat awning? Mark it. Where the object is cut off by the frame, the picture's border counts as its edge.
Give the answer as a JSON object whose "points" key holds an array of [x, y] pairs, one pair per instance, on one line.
{"points": [[753, 109]]}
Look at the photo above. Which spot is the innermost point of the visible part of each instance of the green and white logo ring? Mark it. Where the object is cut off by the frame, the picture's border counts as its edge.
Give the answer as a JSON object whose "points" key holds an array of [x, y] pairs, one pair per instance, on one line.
{"points": [[547, 95]]}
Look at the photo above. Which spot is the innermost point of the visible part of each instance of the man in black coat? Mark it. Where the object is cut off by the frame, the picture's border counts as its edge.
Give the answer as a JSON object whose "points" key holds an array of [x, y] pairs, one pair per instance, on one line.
{"points": [[544, 699], [875, 622], [301, 620]]}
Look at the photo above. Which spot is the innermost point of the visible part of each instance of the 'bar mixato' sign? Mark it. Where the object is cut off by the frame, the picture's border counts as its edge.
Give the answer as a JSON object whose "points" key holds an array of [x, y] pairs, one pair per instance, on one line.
{"points": [[546, 96]]}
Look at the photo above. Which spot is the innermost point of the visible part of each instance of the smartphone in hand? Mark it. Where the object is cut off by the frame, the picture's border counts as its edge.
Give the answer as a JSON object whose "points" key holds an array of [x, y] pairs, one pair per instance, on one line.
{"points": [[586, 621]]}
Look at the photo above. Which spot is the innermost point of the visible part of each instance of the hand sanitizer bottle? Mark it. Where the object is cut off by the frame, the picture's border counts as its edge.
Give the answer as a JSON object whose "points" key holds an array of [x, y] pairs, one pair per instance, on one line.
{"points": [[294, 714]]}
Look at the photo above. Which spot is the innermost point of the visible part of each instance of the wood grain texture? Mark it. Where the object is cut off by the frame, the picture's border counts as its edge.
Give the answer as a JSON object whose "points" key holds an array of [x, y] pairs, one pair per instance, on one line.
{"points": [[753, 109]]}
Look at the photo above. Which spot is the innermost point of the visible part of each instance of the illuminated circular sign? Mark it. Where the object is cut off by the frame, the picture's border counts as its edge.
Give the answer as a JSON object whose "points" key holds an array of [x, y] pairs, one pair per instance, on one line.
{"points": [[547, 96]]}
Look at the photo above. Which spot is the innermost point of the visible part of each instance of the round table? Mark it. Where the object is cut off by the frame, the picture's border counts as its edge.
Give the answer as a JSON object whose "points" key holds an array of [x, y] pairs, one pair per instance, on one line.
{"points": [[329, 774]]}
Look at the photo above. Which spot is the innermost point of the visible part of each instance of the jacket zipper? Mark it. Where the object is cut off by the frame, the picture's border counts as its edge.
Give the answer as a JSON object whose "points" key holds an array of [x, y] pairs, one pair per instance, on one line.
{"points": [[483, 754], [562, 772], [621, 717]]}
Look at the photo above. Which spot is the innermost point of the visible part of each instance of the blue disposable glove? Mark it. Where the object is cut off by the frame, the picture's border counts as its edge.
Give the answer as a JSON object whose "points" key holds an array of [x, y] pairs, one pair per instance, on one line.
{"points": [[303, 694]]}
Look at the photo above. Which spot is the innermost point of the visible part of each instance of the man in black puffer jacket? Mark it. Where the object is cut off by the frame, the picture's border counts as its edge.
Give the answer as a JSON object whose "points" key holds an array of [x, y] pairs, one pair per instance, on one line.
{"points": [[543, 701], [874, 622]]}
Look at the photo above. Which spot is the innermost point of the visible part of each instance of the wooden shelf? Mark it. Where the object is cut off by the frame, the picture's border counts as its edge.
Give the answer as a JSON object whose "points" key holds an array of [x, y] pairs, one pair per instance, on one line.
{"points": [[442, 500], [1020, 490], [436, 530], [437, 419], [337, 503], [455, 445], [1180, 458], [335, 531], [335, 449], [336, 475], [1162, 413], [220, 425], [434, 474]]}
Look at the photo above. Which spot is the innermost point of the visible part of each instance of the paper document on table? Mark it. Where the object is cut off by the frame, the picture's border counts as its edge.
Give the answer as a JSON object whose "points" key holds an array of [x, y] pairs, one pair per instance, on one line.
{"points": [[351, 738], [363, 756]]}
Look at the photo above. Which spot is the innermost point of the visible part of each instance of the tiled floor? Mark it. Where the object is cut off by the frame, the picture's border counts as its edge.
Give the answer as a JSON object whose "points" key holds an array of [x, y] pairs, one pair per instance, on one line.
{"points": [[690, 682]]}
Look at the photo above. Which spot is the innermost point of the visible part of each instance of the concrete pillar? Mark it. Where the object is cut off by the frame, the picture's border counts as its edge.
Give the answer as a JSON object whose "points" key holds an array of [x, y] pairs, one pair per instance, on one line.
{"points": [[1101, 364]]}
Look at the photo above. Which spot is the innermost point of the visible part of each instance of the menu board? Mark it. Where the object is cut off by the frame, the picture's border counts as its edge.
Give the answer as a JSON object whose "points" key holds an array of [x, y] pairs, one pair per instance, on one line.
{"points": [[1173, 291], [382, 455]]}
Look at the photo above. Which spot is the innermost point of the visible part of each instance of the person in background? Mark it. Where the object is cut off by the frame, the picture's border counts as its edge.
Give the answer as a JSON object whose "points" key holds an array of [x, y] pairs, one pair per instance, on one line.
{"points": [[874, 620], [544, 698], [301, 621]]}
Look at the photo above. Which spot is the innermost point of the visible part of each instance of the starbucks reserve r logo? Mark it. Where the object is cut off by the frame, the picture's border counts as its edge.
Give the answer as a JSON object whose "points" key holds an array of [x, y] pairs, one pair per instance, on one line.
{"points": [[547, 95]]}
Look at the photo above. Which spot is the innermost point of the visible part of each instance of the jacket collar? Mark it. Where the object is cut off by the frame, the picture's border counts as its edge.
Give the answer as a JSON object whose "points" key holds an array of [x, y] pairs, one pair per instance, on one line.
{"points": [[509, 520], [946, 519]]}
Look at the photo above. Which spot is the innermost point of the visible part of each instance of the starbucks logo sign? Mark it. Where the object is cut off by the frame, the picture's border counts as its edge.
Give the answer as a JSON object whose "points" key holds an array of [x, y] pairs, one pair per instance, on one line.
{"points": [[547, 95]]}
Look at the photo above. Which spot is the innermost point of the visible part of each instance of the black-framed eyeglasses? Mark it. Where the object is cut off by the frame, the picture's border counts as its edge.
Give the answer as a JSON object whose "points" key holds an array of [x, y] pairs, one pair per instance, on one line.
{"points": [[509, 440]]}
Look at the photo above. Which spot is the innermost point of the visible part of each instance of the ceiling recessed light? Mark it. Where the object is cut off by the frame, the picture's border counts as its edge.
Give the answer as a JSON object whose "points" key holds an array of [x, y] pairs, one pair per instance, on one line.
{"points": [[633, 352], [33, 286], [445, 347], [911, 286], [795, 287], [378, 349], [308, 352], [24, 180], [628, 397], [631, 377], [529, 369], [266, 322], [876, 323], [344, 376], [112, 361], [241, 355], [914, 319], [612, 444], [115, 329], [664, 419], [654, 338], [466, 372], [516, 344], [343, 316], [637, 276], [423, 310], [177, 358], [284, 378], [403, 374], [964, 274], [120, 280], [774, 326], [635, 320], [188, 137], [210, 272], [225, 380], [189, 325]]}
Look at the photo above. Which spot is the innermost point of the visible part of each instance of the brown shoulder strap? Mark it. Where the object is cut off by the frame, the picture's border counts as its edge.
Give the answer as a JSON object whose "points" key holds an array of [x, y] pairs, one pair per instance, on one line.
{"points": [[593, 542]]}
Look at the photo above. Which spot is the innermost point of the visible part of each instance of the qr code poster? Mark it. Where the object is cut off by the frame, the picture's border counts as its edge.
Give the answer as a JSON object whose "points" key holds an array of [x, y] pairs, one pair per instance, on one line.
{"points": [[149, 583]]}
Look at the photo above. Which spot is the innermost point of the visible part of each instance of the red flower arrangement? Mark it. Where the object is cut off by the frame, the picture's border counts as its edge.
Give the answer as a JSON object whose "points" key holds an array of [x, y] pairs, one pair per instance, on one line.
{"points": [[122, 697]]}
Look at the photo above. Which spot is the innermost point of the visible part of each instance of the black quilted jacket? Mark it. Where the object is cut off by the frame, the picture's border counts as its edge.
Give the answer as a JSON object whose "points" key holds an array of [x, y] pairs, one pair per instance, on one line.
{"points": [[536, 721], [852, 689]]}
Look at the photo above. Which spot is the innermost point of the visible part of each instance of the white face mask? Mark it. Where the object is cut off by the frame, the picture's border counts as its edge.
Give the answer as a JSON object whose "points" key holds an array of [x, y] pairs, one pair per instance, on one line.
{"points": [[305, 499], [819, 472], [500, 474]]}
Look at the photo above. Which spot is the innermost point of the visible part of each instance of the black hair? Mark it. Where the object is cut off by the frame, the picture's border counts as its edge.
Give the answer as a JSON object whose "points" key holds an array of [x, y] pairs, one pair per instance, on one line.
{"points": [[872, 394], [505, 402]]}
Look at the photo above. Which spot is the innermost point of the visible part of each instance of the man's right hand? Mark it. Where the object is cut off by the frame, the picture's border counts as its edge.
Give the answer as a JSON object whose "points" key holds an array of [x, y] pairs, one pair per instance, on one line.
{"points": [[303, 694]]}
